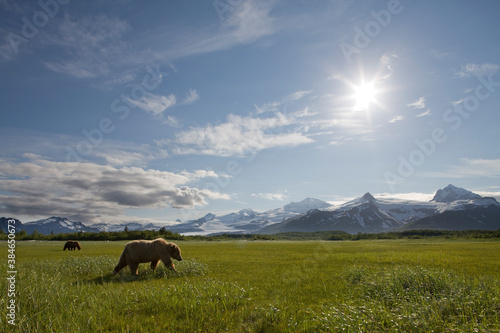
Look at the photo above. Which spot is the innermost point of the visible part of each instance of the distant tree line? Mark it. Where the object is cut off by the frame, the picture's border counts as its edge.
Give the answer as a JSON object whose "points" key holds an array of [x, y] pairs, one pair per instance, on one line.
{"points": [[319, 235], [103, 235]]}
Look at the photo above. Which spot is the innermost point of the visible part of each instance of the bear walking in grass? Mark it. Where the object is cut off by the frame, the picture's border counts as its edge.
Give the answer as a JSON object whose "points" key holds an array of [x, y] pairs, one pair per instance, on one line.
{"points": [[72, 245], [140, 251]]}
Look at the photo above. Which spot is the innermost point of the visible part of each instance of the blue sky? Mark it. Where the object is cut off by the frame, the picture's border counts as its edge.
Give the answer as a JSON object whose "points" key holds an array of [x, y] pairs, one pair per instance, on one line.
{"points": [[118, 111]]}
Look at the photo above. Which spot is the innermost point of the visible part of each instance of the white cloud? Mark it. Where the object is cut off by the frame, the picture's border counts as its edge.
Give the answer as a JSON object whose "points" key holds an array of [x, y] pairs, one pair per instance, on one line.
{"points": [[238, 136], [405, 196], [418, 104], [128, 154], [171, 121], [191, 97], [495, 195], [271, 196], [154, 104], [478, 70], [297, 95], [425, 113], [396, 119], [387, 70], [87, 191]]}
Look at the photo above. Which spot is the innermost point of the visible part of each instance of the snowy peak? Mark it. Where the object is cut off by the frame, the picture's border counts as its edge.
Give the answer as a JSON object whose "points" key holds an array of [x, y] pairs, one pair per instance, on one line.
{"points": [[305, 205], [209, 217], [61, 221], [56, 225], [368, 197], [452, 193], [247, 212]]}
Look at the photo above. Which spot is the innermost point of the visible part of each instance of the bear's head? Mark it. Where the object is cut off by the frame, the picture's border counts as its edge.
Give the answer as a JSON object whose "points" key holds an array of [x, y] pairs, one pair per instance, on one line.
{"points": [[175, 252]]}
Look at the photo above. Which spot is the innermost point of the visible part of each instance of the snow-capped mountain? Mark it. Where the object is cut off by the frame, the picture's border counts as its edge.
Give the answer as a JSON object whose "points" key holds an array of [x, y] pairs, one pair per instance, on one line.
{"points": [[56, 225], [452, 193], [368, 214], [305, 205], [246, 220], [359, 215], [131, 226]]}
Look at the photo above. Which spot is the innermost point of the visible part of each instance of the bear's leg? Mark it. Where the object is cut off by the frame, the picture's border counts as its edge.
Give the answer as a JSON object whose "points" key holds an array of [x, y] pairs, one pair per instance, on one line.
{"points": [[121, 264], [154, 263], [134, 268], [168, 262]]}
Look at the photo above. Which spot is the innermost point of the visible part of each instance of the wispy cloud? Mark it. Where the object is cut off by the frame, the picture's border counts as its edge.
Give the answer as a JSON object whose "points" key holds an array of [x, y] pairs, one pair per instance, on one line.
{"points": [[442, 54], [386, 66], [249, 21], [477, 70], [469, 168], [55, 147], [102, 48], [396, 119], [86, 191], [418, 104], [191, 97], [90, 45], [280, 104], [279, 196], [406, 196], [425, 113], [154, 104]]}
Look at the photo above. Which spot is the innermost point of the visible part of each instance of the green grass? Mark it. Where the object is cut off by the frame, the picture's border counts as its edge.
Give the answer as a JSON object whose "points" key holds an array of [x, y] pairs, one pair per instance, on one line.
{"points": [[259, 286]]}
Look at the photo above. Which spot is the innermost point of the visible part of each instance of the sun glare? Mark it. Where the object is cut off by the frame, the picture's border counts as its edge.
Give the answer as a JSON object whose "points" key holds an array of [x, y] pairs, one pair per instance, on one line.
{"points": [[364, 95]]}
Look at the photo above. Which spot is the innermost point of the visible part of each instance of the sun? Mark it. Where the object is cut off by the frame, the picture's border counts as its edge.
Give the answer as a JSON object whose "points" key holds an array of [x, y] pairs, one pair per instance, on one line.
{"points": [[364, 95]]}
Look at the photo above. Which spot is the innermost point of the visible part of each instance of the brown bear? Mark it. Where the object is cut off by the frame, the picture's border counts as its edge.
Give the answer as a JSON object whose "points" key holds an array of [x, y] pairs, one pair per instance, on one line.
{"points": [[72, 245], [140, 251]]}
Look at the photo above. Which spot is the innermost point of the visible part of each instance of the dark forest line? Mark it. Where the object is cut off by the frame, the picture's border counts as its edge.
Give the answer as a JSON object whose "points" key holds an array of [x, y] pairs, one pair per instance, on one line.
{"points": [[320, 235]]}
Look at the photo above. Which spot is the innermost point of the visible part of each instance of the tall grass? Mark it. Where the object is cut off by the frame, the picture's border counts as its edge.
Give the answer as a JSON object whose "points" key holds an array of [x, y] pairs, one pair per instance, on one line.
{"points": [[81, 295], [415, 300], [262, 287]]}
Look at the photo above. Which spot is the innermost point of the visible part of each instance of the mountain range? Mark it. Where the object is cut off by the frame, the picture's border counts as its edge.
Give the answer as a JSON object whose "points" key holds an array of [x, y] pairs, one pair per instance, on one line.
{"points": [[451, 208]]}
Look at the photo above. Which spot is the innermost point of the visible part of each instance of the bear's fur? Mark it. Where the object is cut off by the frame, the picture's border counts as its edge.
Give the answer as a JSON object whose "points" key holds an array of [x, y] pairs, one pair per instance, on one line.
{"points": [[140, 251], [72, 245]]}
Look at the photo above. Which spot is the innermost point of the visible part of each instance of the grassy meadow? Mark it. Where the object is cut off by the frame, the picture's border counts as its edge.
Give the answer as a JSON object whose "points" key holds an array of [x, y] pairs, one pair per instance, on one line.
{"points": [[260, 286]]}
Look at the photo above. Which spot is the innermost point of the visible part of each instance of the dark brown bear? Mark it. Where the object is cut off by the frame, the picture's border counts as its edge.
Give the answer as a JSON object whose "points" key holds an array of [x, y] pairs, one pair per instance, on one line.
{"points": [[72, 245]]}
